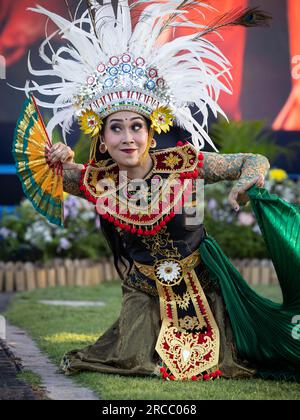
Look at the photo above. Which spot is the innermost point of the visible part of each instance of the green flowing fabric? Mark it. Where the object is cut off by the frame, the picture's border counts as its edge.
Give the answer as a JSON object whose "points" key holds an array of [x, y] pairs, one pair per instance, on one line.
{"points": [[262, 328]]}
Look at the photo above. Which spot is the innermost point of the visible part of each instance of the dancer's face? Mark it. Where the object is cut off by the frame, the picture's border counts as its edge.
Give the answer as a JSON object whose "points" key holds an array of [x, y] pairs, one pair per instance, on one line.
{"points": [[126, 130]]}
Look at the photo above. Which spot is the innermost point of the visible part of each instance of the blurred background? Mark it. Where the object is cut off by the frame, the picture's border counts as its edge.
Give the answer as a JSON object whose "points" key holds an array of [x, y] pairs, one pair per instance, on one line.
{"points": [[264, 109]]}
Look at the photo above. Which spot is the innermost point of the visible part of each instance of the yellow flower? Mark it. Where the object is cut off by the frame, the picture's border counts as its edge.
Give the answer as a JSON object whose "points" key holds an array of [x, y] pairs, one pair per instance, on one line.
{"points": [[90, 123], [161, 119], [67, 337], [278, 175]]}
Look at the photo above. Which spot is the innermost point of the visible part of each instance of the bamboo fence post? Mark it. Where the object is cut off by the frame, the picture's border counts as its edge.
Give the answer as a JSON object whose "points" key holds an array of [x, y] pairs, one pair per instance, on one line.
{"points": [[79, 280], [241, 269], [274, 278], [9, 277], [99, 273], [87, 275], [240, 266], [1, 277], [255, 271], [20, 277], [265, 272], [247, 271], [51, 275], [107, 270], [84, 272], [91, 278], [70, 272], [41, 277], [91, 275], [30, 279], [60, 275], [88, 278]]}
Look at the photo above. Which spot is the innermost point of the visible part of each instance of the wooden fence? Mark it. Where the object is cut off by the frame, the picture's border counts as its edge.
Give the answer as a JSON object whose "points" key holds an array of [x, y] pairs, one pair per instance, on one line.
{"points": [[18, 277], [256, 271]]}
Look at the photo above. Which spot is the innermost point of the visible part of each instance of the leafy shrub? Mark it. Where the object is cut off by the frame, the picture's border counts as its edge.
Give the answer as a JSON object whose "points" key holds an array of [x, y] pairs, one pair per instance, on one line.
{"points": [[25, 235]]}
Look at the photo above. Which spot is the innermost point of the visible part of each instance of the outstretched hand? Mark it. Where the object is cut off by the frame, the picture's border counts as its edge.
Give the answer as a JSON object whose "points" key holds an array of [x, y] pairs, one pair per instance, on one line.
{"points": [[238, 196]]}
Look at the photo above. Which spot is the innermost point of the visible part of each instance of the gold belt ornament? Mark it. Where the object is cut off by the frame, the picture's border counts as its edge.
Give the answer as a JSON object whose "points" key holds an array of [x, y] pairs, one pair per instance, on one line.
{"points": [[188, 342], [170, 271]]}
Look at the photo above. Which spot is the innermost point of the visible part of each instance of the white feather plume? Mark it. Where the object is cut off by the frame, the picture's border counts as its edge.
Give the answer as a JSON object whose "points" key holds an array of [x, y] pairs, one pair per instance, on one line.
{"points": [[195, 71]]}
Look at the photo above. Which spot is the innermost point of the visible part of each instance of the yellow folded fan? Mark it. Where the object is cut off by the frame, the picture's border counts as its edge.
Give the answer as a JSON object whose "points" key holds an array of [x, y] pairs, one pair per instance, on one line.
{"points": [[42, 183]]}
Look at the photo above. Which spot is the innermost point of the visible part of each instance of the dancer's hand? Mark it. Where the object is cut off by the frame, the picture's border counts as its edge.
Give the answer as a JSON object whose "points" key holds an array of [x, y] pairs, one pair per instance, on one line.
{"points": [[60, 152], [238, 195]]}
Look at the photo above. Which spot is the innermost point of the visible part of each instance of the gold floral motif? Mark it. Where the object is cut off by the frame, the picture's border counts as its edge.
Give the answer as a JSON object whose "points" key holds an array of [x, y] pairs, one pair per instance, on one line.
{"points": [[183, 355], [168, 272], [171, 160], [187, 354], [139, 283], [184, 301], [191, 323], [161, 244], [167, 301], [182, 266], [112, 177]]}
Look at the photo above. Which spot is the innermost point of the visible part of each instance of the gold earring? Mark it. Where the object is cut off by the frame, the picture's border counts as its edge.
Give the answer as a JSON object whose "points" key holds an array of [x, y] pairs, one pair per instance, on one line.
{"points": [[153, 144], [103, 147]]}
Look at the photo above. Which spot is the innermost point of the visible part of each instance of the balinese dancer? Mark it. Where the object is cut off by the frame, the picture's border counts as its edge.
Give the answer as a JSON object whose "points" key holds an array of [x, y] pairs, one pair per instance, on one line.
{"points": [[186, 311]]}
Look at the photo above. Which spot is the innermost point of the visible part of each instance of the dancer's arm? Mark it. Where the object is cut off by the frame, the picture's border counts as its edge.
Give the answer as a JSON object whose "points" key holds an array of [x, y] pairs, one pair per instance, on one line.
{"points": [[71, 180], [71, 170], [246, 168]]}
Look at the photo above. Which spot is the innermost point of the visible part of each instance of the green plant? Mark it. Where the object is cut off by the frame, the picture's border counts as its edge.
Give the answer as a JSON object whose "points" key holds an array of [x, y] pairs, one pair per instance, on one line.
{"points": [[247, 137], [82, 148], [27, 236]]}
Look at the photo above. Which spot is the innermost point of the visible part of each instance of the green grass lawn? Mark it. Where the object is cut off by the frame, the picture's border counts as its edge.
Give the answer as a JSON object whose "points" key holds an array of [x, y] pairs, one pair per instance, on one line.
{"points": [[58, 329]]}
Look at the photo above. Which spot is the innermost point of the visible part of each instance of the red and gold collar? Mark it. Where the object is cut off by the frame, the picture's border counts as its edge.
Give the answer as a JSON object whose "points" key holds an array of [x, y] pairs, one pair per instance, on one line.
{"points": [[175, 163]]}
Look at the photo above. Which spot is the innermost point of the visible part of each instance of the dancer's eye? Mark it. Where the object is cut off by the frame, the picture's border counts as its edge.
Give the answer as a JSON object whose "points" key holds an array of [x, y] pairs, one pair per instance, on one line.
{"points": [[115, 128], [136, 126]]}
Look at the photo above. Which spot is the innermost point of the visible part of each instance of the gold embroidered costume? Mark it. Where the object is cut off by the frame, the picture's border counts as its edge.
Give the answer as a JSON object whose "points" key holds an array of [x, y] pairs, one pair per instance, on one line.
{"points": [[173, 311], [182, 331]]}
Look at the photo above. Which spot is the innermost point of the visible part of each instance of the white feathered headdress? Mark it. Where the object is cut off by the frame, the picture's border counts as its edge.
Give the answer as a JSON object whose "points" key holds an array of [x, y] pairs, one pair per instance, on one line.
{"points": [[106, 66]]}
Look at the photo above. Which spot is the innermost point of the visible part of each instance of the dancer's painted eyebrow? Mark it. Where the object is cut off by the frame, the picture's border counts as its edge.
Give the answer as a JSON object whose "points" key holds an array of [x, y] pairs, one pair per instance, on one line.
{"points": [[131, 119]]}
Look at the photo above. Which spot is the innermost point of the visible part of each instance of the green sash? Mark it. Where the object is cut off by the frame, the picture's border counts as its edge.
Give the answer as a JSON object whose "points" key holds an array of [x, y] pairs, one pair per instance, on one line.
{"points": [[266, 332]]}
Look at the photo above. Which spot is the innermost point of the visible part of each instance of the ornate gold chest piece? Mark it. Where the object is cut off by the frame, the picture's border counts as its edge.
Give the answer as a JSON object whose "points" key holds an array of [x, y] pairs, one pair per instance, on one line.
{"points": [[177, 169]]}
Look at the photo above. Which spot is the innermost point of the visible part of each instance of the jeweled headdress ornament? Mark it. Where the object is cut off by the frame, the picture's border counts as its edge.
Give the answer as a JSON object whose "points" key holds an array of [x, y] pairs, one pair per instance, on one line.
{"points": [[107, 66]]}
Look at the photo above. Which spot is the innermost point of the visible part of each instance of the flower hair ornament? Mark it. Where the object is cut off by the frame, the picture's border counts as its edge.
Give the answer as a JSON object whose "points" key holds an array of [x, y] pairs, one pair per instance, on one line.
{"points": [[106, 66]]}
